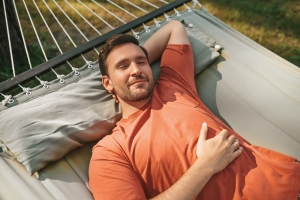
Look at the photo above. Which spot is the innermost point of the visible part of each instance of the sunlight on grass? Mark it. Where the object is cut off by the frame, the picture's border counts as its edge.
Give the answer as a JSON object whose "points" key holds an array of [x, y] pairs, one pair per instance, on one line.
{"points": [[273, 24]]}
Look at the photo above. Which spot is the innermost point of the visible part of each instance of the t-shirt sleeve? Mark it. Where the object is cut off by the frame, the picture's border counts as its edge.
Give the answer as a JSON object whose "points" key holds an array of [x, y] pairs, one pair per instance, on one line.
{"points": [[177, 66], [110, 174]]}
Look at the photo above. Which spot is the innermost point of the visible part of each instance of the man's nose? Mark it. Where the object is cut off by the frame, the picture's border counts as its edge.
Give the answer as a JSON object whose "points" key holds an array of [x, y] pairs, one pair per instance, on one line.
{"points": [[135, 69]]}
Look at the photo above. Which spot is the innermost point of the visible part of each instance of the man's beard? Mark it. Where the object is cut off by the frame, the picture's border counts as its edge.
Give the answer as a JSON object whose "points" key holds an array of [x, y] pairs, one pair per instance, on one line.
{"points": [[127, 95]]}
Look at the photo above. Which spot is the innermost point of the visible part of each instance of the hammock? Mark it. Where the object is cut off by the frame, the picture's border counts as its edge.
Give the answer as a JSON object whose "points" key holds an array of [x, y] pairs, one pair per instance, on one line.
{"points": [[248, 87]]}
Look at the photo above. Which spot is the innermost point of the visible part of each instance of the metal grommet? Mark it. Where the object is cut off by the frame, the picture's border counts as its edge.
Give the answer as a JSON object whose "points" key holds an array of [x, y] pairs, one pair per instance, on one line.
{"points": [[217, 47], [90, 66], [62, 80], [76, 73], [46, 86], [11, 101], [28, 93], [178, 14], [157, 25], [147, 30], [191, 25], [168, 19], [137, 37]]}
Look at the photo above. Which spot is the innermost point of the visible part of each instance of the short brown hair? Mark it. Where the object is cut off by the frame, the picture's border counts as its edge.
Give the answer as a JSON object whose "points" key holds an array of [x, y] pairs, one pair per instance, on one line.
{"points": [[110, 44]]}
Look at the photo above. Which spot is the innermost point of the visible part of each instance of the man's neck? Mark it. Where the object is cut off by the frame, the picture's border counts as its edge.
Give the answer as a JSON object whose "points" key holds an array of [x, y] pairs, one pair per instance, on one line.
{"points": [[128, 108]]}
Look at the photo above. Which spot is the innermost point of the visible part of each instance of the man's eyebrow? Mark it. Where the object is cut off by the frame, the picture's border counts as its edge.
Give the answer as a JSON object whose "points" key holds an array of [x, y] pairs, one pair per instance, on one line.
{"points": [[141, 57], [121, 61]]}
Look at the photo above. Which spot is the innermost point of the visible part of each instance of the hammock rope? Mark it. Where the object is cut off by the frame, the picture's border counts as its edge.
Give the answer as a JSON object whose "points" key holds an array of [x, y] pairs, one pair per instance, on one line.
{"points": [[26, 90], [7, 99], [83, 18], [136, 6], [150, 4], [64, 30], [23, 38], [36, 34], [122, 8], [164, 2], [67, 16], [74, 69], [96, 15], [45, 84], [9, 42], [109, 12], [196, 2]]}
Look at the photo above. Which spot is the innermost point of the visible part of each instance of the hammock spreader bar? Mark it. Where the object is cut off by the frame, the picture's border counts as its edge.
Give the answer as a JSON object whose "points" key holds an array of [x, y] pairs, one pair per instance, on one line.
{"points": [[84, 48]]}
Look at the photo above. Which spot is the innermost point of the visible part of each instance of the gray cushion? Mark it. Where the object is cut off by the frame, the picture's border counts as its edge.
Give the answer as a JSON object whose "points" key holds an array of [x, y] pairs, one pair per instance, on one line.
{"points": [[46, 128]]}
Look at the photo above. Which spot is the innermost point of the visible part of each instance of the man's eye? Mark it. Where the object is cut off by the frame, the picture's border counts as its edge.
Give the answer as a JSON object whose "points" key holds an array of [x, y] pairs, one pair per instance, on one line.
{"points": [[123, 66]]}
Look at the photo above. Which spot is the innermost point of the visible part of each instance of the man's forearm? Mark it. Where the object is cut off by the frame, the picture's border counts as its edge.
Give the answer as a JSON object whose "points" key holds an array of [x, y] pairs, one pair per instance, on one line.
{"points": [[190, 184], [172, 33]]}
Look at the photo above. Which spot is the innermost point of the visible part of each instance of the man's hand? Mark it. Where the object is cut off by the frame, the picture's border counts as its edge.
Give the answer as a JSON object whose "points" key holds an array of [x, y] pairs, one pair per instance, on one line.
{"points": [[219, 151], [213, 156]]}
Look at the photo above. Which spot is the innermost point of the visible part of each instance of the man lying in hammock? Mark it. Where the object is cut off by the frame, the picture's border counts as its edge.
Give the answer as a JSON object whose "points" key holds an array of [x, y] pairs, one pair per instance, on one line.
{"points": [[155, 150]]}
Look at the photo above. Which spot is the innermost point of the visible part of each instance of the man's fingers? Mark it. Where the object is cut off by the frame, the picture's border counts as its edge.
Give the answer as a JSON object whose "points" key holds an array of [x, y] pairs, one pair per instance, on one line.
{"points": [[203, 132], [231, 139], [223, 133], [237, 153], [235, 145]]}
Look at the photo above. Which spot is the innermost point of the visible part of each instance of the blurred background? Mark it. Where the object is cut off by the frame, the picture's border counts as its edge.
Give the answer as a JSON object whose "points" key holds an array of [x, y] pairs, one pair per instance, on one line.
{"points": [[274, 24]]}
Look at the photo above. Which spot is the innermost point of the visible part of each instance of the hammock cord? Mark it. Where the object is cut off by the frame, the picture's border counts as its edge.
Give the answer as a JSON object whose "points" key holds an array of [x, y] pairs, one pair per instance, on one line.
{"points": [[150, 4], [67, 16], [196, 2], [96, 15], [109, 12], [49, 30], [36, 34], [122, 8], [7, 99], [63, 28], [27, 90], [164, 1], [136, 6], [83, 17], [9, 42], [22, 34]]}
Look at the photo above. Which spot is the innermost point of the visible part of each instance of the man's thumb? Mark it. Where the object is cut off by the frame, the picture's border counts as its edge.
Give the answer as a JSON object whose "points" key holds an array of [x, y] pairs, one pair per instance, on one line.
{"points": [[203, 132]]}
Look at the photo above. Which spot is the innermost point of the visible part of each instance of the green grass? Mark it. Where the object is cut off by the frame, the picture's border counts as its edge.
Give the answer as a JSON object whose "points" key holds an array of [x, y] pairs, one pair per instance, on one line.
{"points": [[274, 24]]}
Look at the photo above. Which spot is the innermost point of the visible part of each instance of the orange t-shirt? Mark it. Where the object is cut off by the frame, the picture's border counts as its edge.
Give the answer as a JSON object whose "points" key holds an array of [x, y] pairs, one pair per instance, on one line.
{"points": [[150, 150]]}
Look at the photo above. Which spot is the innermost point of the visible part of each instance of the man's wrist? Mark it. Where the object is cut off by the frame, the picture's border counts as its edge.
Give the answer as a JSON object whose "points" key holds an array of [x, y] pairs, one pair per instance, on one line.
{"points": [[204, 168]]}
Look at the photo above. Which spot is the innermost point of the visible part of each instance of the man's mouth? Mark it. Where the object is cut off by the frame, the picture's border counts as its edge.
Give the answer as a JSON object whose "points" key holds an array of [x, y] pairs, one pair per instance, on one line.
{"points": [[138, 81]]}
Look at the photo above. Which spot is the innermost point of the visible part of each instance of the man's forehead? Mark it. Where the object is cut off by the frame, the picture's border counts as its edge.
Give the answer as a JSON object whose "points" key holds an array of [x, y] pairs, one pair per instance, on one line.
{"points": [[123, 52]]}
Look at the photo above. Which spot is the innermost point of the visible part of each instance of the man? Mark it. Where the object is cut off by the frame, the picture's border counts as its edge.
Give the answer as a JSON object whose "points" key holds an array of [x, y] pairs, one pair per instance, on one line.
{"points": [[155, 150]]}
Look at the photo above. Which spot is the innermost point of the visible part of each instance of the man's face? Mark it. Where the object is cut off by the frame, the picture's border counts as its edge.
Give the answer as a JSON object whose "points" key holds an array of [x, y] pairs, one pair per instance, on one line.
{"points": [[130, 76]]}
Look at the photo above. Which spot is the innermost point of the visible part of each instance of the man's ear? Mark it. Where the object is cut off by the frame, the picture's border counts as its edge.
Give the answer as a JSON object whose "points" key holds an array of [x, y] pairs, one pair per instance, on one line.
{"points": [[107, 84]]}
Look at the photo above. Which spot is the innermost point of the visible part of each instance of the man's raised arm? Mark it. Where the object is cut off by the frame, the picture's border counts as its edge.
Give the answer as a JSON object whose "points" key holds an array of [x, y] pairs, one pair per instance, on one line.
{"points": [[172, 33]]}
